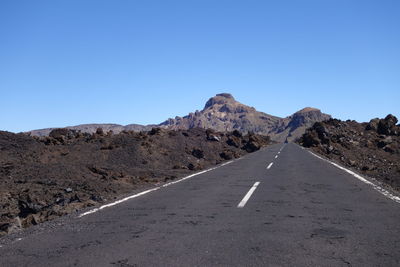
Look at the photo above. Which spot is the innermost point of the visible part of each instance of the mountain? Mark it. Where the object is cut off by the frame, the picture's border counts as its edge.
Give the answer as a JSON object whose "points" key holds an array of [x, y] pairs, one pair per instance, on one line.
{"points": [[223, 113], [294, 126]]}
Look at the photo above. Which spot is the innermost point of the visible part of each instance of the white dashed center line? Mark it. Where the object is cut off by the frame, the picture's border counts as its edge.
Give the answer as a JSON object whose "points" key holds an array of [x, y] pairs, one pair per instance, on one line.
{"points": [[270, 165], [248, 195]]}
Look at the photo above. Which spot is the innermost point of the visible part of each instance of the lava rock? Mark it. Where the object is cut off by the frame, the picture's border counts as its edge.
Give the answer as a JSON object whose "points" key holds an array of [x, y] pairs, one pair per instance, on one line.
{"points": [[99, 131], [373, 124], [251, 146], [234, 141], [387, 126], [198, 153], [227, 155]]}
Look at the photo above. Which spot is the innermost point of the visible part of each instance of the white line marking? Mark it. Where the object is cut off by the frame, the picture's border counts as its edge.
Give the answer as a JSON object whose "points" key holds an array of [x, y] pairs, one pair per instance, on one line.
{"points": [[276, 156], [226, 163], [118, 202], [359, 177], [270, 165], [248, 195], [149, 190], [279, 152]]}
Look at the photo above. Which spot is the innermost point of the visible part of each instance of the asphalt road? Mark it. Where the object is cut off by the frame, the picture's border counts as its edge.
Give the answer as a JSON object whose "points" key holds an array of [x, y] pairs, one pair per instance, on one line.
{"points": [[303, 212]]}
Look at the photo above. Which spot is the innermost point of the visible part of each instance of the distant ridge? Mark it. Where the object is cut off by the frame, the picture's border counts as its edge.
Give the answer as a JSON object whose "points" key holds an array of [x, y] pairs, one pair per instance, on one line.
{"points": [[91, 128], [223, 113]]}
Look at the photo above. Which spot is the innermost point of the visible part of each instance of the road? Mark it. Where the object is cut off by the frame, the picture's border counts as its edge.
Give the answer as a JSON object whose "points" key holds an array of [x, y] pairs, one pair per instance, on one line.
{"points": [[299, 211]]}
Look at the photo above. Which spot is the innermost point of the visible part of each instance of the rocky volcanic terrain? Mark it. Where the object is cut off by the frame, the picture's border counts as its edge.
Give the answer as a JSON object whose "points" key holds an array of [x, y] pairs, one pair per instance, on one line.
{"points": [[372, 149], [223, 113], [43, 178]]}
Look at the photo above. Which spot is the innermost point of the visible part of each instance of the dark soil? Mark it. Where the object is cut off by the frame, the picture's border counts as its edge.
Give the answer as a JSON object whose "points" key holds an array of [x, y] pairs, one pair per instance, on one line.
{"points": [[372, 149], [43, 178]]}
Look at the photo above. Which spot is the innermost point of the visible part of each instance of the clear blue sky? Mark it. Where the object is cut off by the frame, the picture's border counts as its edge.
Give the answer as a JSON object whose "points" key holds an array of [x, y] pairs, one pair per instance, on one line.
{"points": [[72, 62]]}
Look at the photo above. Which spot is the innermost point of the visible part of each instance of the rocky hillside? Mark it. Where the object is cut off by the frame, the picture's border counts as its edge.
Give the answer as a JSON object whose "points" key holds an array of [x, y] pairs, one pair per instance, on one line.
{"points": [[373, 148], [45, 177], [223, 113]]}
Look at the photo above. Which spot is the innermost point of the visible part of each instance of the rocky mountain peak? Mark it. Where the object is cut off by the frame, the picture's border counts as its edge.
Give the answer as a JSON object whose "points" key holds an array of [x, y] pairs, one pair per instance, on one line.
{"points": [[306, 116], [226, 95], [308, 109], [220, 99]]}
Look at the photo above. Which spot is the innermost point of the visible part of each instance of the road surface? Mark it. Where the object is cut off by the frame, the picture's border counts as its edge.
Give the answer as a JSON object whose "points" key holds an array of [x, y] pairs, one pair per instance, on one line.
{"points": [[280, 206]]}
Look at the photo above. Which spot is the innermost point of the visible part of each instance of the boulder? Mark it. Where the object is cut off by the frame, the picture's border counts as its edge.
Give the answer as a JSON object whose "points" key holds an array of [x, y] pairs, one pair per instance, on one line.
{"points": [[11, 226], [387, 126], [155, 131], [309, 139], [227, 155], [386, 141], [99, 131], [237, 133], [372, 125], [194, 167], [251, 146], [389, 148], [57, 133], [63, 133], [198, 153], [323, 134], [233, 141]]}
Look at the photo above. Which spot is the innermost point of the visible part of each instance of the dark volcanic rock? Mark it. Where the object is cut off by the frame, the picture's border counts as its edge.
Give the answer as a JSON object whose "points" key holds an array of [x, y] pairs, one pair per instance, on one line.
{"points": [[43, 178], [373, 124], [227, 155], [99, 131], [234, 141], [387, 126], [198, 153], [372, 148]]}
